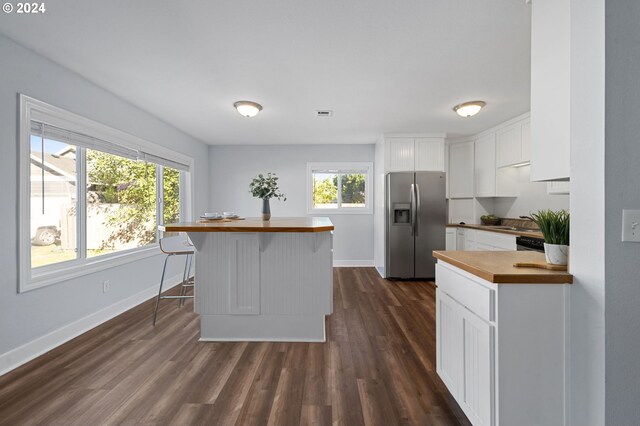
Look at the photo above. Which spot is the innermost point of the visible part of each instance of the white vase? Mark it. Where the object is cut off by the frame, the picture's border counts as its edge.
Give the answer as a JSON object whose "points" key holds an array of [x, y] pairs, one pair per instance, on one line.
{"points": [[556, 254]]}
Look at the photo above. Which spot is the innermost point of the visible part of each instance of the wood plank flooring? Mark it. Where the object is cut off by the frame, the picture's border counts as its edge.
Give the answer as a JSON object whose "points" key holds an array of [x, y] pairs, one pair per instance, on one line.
{"points": [[376, 368]]}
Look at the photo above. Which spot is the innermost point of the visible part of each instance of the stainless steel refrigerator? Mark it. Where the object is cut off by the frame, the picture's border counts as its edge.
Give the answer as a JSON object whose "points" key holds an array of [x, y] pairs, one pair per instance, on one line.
{"points": [[415, 225]]}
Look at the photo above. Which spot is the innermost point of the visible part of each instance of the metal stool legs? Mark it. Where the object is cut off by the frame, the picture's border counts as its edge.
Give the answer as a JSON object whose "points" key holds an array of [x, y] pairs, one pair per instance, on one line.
{"points": [[183, 290]]}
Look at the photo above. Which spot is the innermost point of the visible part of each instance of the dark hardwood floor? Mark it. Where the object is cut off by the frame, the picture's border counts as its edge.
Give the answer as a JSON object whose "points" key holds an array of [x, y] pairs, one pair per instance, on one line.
{"points": [[377, 367]]}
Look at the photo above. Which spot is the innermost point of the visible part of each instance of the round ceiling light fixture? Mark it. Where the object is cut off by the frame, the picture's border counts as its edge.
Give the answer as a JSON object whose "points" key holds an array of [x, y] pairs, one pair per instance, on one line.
{"points": [[469, 109], [247, 108]]}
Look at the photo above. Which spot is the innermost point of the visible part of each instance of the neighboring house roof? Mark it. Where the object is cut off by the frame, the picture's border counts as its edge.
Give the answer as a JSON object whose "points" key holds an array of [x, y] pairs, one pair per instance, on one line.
{"points": [[55, 165]]}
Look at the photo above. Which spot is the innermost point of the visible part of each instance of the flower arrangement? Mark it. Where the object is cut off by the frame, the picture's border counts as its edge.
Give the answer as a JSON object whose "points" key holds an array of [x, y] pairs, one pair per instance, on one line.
{"points": [[554, 225], [266, 187]]}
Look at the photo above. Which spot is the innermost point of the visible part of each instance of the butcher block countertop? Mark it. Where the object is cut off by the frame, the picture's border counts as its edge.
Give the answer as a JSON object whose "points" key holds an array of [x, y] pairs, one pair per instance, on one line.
{"points": [[252, 224], [497, 266]]}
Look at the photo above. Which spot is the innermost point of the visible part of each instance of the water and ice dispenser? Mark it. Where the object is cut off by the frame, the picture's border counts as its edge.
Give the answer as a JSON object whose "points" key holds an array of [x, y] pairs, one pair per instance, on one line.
{"points": [[401, 213]]}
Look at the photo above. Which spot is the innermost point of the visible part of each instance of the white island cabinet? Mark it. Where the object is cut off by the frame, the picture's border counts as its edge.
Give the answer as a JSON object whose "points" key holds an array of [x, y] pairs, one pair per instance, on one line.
{"points": [[262, 280], [501, 337]]}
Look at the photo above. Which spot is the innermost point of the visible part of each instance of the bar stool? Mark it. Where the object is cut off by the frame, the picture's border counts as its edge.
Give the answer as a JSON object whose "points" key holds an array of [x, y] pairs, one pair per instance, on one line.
{"points": [[176, 246]]}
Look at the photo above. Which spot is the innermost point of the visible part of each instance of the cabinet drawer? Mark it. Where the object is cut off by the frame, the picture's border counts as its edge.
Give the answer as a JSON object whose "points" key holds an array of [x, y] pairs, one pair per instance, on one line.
{"points": [[496, 240], [475, 297]]}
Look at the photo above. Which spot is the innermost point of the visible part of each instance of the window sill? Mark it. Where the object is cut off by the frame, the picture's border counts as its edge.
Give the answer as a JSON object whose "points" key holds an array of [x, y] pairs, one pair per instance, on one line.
{"points": [[331, 212], [90, 266]]}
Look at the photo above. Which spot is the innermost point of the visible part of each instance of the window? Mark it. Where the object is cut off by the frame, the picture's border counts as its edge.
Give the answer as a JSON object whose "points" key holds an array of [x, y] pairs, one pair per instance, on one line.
{"points": [[91, 196], [339, 188]]}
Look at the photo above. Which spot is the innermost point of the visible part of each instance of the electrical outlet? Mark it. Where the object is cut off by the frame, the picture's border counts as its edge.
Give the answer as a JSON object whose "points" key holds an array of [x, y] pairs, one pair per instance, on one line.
{"points": [[631, 225], [106, 286]]}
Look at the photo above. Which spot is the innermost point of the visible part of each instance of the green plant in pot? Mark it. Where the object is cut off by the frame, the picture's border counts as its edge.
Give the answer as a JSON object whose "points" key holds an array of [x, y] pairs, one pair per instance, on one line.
{"points": [[554, 226], [265, 188]]}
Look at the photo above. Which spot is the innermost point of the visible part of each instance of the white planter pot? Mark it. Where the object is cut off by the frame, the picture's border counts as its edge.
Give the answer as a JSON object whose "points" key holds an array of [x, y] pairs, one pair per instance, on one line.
{"points": [[556, 254]]}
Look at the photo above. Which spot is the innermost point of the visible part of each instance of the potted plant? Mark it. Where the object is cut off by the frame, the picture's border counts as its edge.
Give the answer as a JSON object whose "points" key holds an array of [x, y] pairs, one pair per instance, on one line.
{"points": [[555, 229], [265, 188]]}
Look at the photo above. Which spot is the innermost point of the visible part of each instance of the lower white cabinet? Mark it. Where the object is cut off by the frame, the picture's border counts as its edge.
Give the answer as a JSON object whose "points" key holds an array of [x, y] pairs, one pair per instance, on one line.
{"points": [[464, 358], [474, 239], [500, 348], [451, 239]]}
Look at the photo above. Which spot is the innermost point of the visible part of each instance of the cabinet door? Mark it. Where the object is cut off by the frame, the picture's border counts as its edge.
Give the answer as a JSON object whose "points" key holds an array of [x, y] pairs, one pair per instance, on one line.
{"points": [[477, 391], [429, 154], [485, 166], [470, 240], [509, 145], [460, 239], [449, 341], [400, 155], [451, 239], [244, 274], [461, 170]]}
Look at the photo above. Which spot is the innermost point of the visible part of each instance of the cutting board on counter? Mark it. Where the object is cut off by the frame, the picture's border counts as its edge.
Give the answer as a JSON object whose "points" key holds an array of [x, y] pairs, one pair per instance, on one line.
{"points": [[540, 265]]}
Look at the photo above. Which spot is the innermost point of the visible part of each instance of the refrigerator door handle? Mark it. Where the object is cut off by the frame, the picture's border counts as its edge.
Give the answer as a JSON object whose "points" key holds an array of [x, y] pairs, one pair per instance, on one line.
{"points": [[412, 209], [417, 198]]}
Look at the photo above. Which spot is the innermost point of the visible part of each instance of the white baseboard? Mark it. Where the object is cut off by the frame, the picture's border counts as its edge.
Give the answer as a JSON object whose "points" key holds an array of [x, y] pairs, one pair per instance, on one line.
{"points": [[33, 349], [352, 263]]}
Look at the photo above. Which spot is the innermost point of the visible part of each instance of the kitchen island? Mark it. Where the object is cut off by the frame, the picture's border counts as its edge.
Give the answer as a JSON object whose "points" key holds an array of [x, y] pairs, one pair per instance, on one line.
{"points": [[501, 336], [262, 280]]}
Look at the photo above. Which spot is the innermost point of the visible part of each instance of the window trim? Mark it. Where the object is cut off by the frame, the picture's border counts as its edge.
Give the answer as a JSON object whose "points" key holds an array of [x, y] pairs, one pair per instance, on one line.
{"points": [[341, 167], [33, 109]]}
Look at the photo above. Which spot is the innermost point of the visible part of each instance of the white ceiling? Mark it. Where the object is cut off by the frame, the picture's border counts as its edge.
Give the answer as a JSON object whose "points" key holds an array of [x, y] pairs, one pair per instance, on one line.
{"points": [[382, 66]]}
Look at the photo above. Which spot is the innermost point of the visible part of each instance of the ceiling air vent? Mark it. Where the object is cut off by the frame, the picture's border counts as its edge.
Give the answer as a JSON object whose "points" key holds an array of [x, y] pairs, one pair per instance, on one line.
{"points": [[324, 113]]}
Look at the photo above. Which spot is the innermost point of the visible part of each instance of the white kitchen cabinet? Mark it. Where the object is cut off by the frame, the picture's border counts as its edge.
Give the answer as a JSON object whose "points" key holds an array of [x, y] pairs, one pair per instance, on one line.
{"points": [[451, 239], [550, 84], [513, 144], [461, 158], [399, 155], [500, 348], [429, 154], [408, 154], [485, 166], [459, 238], [470, 239]]}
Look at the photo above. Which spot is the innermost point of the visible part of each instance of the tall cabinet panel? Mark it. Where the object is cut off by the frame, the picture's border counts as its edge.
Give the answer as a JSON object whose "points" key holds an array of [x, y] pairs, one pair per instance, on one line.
{"points": [[485, 166], [461, 170], [550, 96]]}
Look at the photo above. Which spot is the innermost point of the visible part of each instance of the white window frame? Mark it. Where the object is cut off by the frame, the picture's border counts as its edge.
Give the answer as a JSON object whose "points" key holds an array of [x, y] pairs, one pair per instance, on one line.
{"points": [[341, 167], [33, 109]]}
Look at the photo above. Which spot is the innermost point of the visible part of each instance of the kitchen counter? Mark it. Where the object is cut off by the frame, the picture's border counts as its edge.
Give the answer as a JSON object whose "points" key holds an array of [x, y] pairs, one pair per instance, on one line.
{"points": [[497, 266], [252, 224]]}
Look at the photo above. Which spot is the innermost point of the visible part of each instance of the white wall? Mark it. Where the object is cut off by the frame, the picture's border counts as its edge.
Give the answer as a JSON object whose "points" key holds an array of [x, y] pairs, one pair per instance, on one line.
{"points": [[587, 349], [622, 191], [532, 196], [233, 167], [32, 315]]}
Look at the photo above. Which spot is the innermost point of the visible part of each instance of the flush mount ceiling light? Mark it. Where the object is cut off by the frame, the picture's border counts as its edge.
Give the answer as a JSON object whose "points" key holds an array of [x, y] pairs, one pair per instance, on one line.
{"points": [[247, 108], [469, 109]]}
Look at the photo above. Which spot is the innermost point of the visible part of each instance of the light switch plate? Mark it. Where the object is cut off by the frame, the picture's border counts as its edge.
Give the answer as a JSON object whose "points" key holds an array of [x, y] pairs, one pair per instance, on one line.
{"points": [[631, 225]]}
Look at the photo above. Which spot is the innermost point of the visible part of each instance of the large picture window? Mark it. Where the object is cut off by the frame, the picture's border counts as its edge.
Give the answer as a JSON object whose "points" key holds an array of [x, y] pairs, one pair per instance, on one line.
{"points": [[339, 188], [88, 202]]}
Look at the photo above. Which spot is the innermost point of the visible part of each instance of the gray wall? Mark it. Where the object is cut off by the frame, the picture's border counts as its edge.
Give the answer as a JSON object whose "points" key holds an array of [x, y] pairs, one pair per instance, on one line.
{"points": [[25, 317], [233, 167], [622, 189]]}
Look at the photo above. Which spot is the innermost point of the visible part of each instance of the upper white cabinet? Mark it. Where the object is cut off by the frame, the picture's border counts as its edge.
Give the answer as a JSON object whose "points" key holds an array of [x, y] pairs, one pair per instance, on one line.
{"points": [[550, 96], [513, 144], [461, 171], [399, 155], [485, 166], [429, 154], [408, 154]]}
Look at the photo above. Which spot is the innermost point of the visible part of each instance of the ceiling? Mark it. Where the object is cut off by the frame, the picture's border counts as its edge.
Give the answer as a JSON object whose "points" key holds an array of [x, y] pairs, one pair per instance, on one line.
{"points": [[382, 66]]}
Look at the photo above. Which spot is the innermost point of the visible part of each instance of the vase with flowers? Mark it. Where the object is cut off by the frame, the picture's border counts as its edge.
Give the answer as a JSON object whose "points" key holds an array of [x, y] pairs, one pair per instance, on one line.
{"points": [[554, 226], [265, 187]]}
